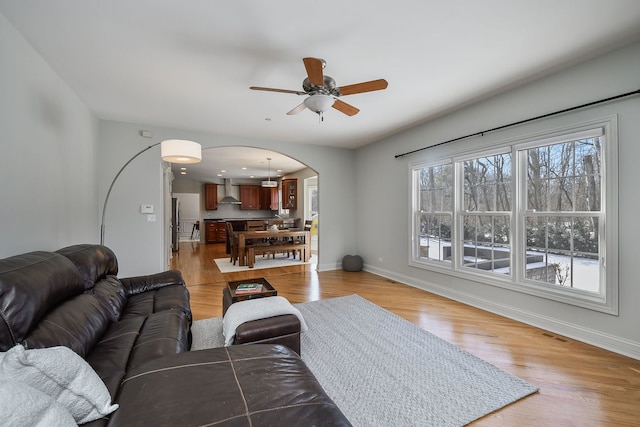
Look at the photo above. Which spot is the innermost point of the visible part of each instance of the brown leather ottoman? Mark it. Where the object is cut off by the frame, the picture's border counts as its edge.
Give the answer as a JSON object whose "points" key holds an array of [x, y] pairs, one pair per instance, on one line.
{"points": [[284, 329]]}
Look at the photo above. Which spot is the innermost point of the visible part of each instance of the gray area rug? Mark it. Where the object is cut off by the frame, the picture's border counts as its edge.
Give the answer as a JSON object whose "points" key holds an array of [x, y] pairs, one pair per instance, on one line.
{"points": [[382, 370]]}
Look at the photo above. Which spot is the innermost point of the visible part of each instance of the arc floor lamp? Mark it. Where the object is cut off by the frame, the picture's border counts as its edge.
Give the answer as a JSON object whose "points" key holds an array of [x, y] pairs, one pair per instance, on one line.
{"points": [[171, 150]]}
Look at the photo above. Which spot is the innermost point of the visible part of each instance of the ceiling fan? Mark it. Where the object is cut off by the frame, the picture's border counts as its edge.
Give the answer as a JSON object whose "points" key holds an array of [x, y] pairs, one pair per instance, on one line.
{"points": [[322, 90]]}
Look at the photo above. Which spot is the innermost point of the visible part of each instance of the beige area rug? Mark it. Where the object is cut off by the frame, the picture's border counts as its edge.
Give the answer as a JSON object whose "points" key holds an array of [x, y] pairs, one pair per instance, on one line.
{"points": [[281, 260]]}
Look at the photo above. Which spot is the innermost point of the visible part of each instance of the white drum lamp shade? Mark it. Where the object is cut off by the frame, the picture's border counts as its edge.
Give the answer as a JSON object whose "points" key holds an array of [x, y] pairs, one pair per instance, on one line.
{"points": [[180, 151]]}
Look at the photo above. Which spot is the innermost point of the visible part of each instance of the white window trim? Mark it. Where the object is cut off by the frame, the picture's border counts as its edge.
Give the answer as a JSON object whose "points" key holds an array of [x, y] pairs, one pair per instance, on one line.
{"points": [[607, 302]]}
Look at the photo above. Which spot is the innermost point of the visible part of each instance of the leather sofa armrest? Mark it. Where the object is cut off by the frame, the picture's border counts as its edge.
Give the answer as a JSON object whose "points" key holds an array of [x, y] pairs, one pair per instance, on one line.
{"points": [[139, 284]]}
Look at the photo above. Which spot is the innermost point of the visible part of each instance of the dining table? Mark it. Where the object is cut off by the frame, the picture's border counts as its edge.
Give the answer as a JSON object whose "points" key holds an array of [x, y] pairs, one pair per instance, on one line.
{"points": [[279, 237]]}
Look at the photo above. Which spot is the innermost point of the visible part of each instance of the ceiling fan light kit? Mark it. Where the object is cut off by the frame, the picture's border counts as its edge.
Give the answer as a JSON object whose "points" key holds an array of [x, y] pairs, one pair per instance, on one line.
{"points": [[323, 91], [319, 103]]}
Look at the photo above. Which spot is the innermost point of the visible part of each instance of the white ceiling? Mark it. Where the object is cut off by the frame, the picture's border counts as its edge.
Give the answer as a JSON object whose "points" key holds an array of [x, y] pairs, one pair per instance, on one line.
{"points": [[189, 64], [239, 162]]}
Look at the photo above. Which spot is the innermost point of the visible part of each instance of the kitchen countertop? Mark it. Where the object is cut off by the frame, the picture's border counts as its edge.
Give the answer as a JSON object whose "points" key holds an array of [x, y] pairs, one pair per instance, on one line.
{"points": [[241, 219]]}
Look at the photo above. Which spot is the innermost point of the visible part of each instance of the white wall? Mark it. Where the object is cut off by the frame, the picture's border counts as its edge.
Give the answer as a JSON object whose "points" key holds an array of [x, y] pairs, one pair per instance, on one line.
{"points": [[189, 205], [47, 155], [383, 204], [138, 243]]}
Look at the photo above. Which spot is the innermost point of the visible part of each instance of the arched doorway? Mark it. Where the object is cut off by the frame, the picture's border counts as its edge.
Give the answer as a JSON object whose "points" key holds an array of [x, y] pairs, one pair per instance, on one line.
{"points": [[233, 166]]}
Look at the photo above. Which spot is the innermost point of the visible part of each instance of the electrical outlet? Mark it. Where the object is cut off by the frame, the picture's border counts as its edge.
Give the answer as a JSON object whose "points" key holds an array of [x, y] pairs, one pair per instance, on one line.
{"points": [[380, 259], [151, 218]]}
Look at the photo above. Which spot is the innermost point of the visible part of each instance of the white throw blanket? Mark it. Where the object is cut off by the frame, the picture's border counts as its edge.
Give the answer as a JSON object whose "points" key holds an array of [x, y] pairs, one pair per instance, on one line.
{"points": [[254, 309]]}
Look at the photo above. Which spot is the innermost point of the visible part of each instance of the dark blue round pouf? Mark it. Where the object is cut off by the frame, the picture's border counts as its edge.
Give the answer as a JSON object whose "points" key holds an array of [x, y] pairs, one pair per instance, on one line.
{"points": [[352, 263]]}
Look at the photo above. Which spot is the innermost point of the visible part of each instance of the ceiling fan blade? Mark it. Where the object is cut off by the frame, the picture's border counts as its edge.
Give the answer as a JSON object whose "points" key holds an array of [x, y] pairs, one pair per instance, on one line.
{"points": [[269, 89], [298, 109], [314, 70], [363, 87], [345, 108]]}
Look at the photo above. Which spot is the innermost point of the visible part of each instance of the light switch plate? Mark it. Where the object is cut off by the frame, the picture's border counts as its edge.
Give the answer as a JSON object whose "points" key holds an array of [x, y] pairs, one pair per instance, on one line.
{"points": [[146, 209], [151, 218]]}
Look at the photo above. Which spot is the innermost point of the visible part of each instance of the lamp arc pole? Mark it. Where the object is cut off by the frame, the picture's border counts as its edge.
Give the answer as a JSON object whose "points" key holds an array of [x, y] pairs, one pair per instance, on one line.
{"points": [[106, 199]]}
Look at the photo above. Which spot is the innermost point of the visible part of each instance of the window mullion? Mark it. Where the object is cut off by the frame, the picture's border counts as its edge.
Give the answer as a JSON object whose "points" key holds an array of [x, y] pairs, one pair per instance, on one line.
{"points": [[457, 235]]}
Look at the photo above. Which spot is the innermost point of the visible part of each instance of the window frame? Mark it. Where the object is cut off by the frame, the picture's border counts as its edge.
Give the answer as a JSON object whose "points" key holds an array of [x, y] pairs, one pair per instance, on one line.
{"points": [[607, 300], [416, 212]]}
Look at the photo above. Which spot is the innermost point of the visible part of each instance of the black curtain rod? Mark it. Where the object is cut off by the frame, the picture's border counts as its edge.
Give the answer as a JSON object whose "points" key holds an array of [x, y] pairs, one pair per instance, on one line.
{"points": [[635, 92]]}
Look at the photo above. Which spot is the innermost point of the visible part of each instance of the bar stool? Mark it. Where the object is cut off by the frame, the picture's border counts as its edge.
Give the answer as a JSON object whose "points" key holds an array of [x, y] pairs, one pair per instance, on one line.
{"points": [[195, 230]]}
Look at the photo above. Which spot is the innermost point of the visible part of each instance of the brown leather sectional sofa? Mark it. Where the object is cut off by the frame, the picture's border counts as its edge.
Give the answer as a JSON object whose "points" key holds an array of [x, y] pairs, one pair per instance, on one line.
{"points": [[135, 333]]}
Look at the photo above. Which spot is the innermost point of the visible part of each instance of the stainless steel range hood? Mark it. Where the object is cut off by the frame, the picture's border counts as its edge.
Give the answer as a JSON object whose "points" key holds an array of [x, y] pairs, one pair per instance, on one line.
{"points": [[228, 199]]}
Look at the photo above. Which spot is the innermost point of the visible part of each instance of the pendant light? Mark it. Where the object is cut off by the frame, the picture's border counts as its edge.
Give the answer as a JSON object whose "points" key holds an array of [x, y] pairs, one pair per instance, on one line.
{"points": [[269, 183]]}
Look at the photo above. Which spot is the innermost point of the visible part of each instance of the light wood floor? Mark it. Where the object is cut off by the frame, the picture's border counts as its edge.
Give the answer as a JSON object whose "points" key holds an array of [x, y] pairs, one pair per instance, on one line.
{"points": [[580, 385]]}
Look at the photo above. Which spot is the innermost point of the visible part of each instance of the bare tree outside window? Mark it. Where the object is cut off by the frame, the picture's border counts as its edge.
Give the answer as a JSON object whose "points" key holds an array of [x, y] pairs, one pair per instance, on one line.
{"points": [[486, 217], [435, 213], [563, 192]]}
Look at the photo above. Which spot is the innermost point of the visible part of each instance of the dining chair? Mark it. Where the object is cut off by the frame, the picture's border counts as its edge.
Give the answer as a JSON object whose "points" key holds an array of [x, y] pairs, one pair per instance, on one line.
{"points": [[233, 248]]}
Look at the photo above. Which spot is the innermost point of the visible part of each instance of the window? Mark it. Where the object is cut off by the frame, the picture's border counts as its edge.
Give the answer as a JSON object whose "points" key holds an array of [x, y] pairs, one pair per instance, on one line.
{"points": [[435, 212], [563, 215], [486, 213], [528, 215]]}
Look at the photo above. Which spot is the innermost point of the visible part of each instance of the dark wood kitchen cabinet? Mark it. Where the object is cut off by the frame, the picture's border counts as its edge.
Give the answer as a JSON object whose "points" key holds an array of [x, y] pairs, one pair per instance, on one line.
{"points": [[211, 197], [250, 197], [289, 194], [215, 232], [269, 198]]}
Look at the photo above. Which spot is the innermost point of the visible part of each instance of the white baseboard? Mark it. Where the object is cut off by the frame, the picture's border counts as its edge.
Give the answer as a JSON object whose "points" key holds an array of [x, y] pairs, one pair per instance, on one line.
{"points": [[608, 342], [329, 267]]}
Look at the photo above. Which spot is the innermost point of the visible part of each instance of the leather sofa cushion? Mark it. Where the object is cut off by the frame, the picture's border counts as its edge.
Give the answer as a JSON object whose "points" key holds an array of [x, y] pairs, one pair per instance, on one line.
{"points": [[136, 339], [163, 333], [31, 285], [154, 300], [140, 284], [111, 294], [110, 355], [77, 323], [94, 262], [260, 385]]}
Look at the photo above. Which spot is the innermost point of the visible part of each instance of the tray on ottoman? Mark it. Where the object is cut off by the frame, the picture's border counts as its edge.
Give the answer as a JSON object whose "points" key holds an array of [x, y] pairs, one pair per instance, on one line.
{"points": [[229, 295]]}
